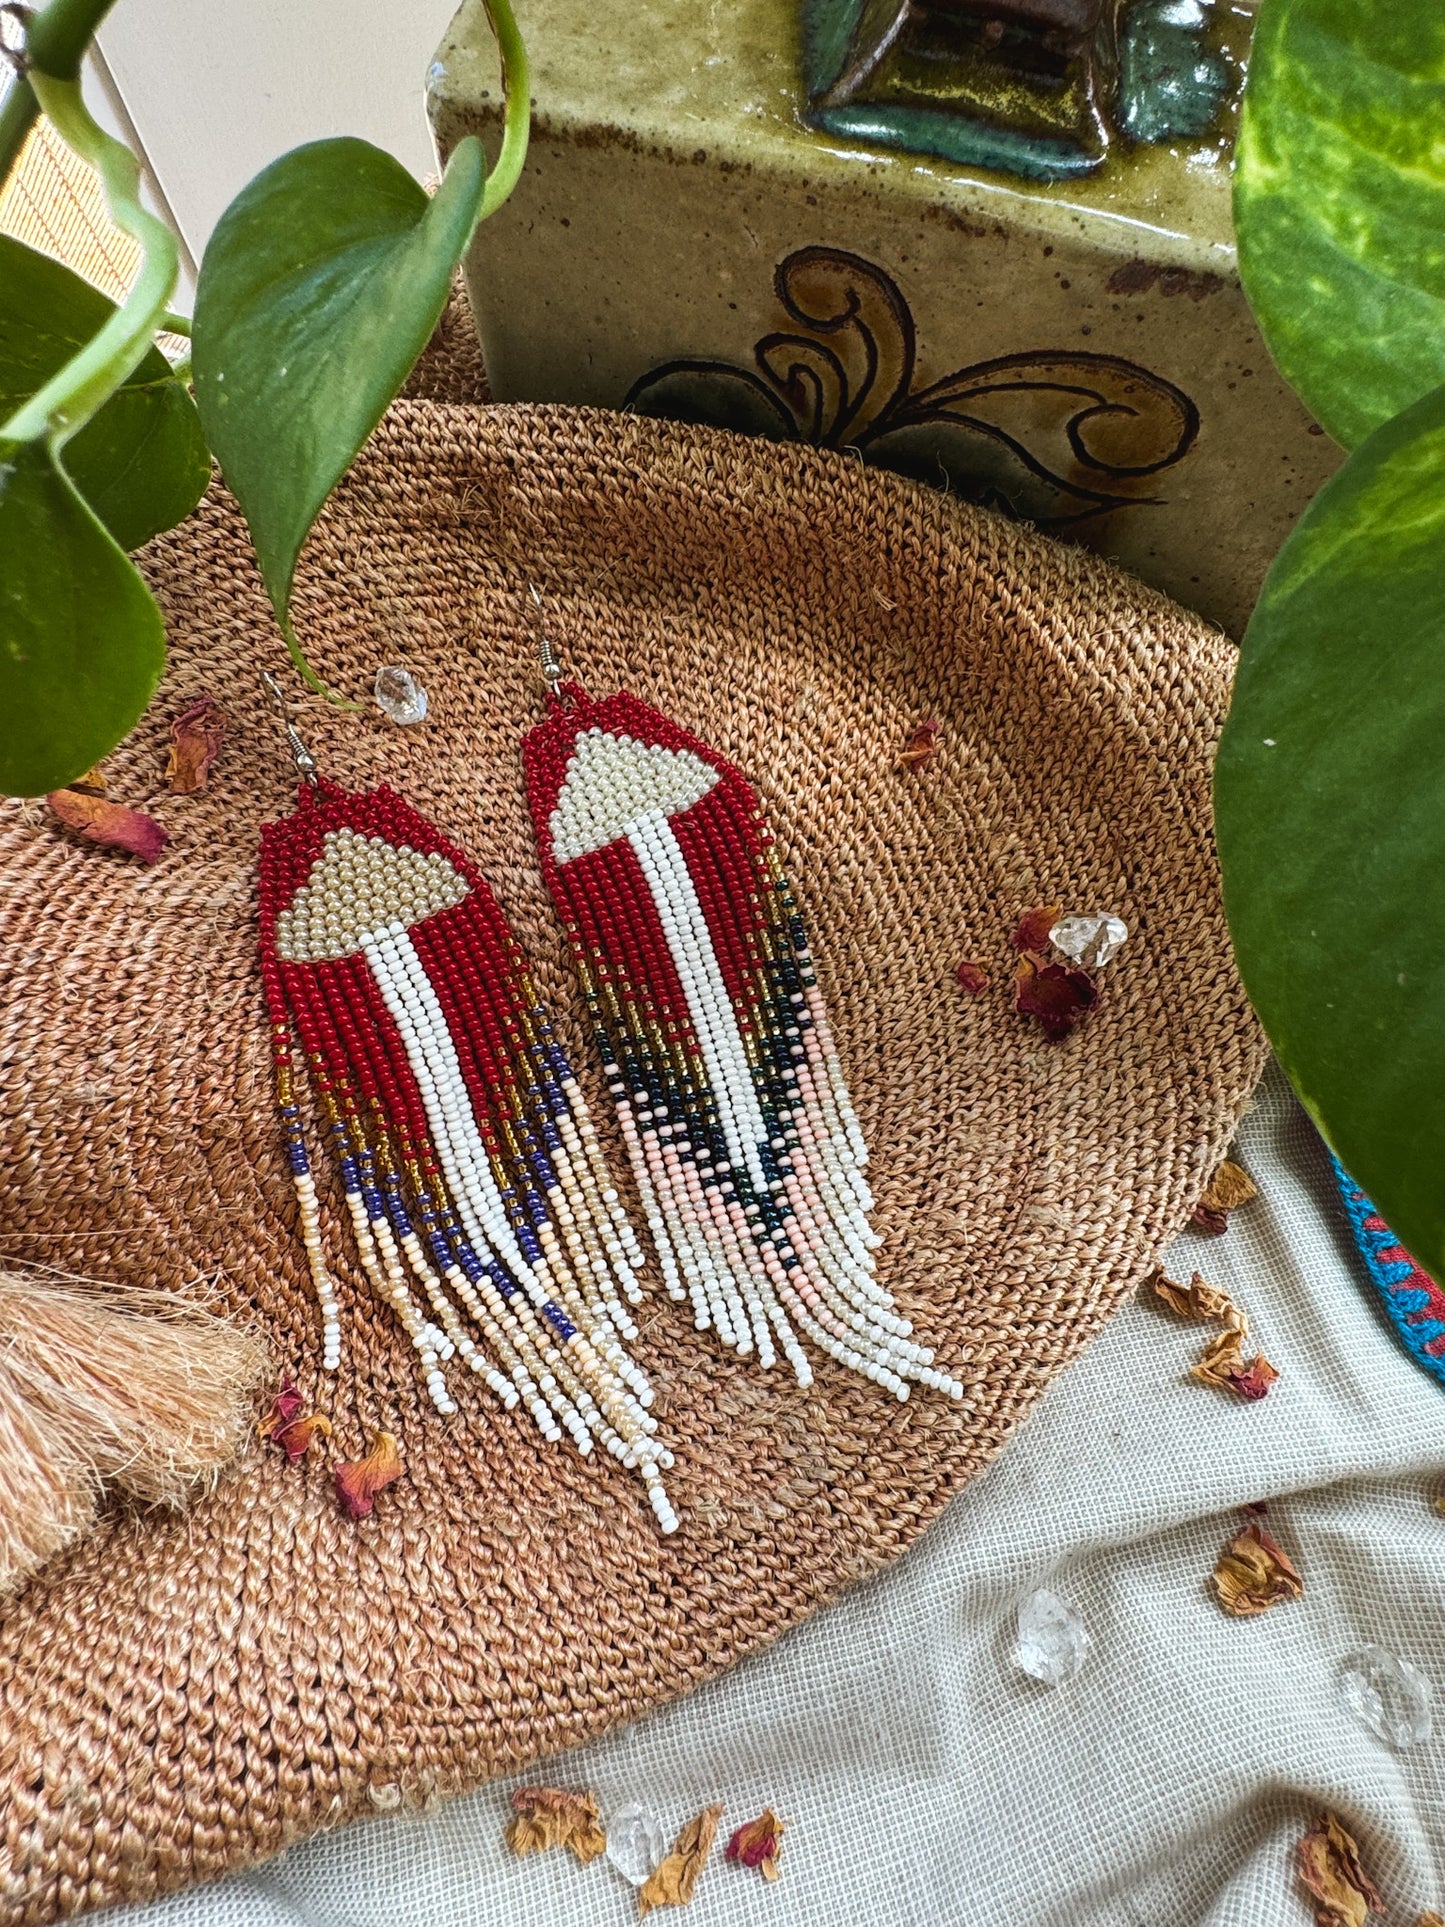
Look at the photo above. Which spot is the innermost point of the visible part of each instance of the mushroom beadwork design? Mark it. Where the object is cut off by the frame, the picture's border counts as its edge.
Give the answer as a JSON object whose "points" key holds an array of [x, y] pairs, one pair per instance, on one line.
{"points": [[715, 1041], [472, 1172]]}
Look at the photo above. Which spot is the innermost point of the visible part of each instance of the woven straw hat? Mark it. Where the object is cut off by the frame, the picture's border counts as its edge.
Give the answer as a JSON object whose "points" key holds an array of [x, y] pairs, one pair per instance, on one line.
{"points": [[184, 1695]]}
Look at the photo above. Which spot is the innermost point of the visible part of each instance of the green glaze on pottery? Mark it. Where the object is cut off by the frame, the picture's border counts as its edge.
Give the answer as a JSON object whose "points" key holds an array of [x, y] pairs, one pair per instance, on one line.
{"points": [[973, 143], [726, 81], [1340, 203], [1174, 75], [930, 78]]}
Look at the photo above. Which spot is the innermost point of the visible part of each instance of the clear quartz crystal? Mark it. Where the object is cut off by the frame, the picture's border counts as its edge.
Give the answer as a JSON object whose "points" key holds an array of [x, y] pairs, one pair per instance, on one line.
{"points": [[399, 694], [1089, 939], [1053, 1641], [1387, 1695], [635, 1842]]}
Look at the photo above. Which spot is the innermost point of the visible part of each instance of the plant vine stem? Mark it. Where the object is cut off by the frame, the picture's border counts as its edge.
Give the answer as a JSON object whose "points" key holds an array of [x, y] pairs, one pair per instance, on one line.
{"points": [[88, 380], [19, 112], [517, 116], [55, 43]]}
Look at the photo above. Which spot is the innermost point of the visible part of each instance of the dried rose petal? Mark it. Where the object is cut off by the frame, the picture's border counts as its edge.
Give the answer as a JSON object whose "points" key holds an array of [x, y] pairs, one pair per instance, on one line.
{"points": [[759, 1843], [973, 978], [1431, 1919], [1212, 1301], [1255, 1508], [1059, 995], [196, 738], [1033, 927], [285, 1406], [672, 1884], [1341, 1892], [1254, 1574], [550, 1816], [922, 745], [295, 1439], [1225, 1365], [109, 823], [289, 1427], [1176, 1296], [1197, 1299], [1230, 1187], [359, 1480]]}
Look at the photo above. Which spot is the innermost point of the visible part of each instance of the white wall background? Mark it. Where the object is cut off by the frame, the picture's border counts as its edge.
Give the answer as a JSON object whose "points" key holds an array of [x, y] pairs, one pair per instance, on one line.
{"points": [[215, 91]]}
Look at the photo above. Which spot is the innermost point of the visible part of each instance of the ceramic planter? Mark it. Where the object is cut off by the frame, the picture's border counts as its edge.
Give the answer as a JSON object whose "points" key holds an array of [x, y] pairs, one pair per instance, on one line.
{"points": [[700, 234]]}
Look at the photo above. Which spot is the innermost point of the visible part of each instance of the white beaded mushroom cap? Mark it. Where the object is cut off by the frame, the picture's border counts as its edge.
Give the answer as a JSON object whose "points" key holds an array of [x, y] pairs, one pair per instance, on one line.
{"points": [[612, 781], [357, 886]]}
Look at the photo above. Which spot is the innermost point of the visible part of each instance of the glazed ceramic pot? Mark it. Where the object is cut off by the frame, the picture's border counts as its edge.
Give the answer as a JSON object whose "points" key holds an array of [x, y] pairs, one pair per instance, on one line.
{"points": [[835, 221]]}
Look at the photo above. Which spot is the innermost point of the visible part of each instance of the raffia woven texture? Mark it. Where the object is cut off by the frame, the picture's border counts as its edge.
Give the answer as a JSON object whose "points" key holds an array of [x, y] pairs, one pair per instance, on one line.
{"points": [[186, 1696]]}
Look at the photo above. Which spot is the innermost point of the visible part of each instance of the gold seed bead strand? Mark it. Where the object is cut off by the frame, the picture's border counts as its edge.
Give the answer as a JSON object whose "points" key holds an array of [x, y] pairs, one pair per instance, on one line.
{"points": [[608, 1253], [625, 1411], [432, 1346], [575, 1218], [574, 1125], [322, 1282], [308, 1208]]}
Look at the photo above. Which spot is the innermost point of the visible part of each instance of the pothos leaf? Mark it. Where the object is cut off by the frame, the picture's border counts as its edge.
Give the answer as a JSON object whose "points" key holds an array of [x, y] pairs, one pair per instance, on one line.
{"points": [[141, 462], [1330, 810], [1339, 203], [81, 641], [319, 288]]}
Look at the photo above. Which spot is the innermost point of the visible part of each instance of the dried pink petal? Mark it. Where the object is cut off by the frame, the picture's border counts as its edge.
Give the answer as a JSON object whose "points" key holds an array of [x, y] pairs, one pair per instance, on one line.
{"points": [[1224, 1364], [359, 1480], [1059, 995], [972, 977], [196, 738], [672, 1884], [285, 1406], [1033, 927], [111, 824], [1341, 1892], [1253, 1574], [922, 745], [1230, 1187], [759, 1843], [552, 1816]]}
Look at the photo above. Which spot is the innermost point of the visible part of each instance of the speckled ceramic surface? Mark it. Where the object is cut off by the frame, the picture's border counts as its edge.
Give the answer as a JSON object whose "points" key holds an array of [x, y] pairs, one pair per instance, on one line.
{"points": [[683, 243]]}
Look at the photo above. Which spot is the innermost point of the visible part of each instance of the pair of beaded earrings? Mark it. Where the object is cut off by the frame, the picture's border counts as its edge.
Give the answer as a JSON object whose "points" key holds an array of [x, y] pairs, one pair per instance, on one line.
{"points": [[473, 1174]]}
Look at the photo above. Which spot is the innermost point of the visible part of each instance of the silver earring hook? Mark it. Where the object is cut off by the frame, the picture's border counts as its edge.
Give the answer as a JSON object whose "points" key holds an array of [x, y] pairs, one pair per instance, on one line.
{"points": [[546, 648], [300, 755]]}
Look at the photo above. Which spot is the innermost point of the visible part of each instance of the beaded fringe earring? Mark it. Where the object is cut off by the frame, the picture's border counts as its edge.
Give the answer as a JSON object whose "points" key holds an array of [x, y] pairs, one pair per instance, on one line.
{"points": [[715, 1041], [471, 1169]]}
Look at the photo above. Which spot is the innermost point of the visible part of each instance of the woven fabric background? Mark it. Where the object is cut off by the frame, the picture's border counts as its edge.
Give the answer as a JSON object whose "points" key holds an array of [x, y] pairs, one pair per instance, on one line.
{"points": [[186, 1696], [929, 1783]]}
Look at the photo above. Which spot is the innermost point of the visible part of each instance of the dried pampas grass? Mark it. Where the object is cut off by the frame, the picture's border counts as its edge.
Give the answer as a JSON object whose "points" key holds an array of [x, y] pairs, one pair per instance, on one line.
{"points": [[107, 1387]]}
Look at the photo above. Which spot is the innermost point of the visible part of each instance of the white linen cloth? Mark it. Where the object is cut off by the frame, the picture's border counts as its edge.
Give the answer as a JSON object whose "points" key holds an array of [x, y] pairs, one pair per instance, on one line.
{"points": [[928, 1782]]}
